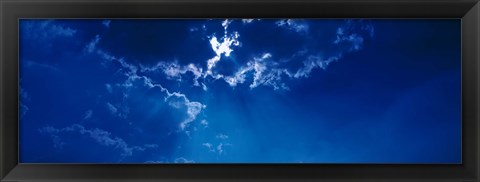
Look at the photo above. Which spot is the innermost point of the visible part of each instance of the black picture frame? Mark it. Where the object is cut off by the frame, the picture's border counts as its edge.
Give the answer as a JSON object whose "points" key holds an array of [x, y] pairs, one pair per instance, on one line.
{"points": [[12, 10]]}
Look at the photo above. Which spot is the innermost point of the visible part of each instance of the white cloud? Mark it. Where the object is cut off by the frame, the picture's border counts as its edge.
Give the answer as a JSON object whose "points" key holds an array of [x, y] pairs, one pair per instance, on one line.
{"points": [[219, 148], [211, 63], [42, 66], [131, 69], [254, 65], [350, 37], [106, 23], [102, 137], [355, 40], [193, 29], [92, 47], [222, 136], [170, 69], [175, 71], [245, 21], [195, 70], [46, 30], [264, 73], [92, 44], [209, 146], [183, 160], [221, 48], [105, 55], [174, 99], [224, 47], [204, 87], [259, 68], [352, 34], [61, 31], [179, 100], [109, 88], [239, 76], [202, 28], [313, 62], [113, 110], [120, 111], [204, 123], [88, 114], [272, 78], [225, 24], [295, 25]]}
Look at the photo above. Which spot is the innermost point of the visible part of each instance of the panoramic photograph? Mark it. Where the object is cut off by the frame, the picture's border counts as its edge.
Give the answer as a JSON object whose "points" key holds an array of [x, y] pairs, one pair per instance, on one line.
{"points": [[171, 91]]}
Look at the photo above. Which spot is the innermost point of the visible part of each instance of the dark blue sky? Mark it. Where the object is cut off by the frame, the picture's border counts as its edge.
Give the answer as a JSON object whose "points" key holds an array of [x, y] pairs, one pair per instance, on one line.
{"points": [[241, 91]]}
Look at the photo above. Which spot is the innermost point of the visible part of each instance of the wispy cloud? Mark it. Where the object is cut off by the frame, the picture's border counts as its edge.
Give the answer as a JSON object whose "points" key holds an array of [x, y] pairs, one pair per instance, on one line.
{"points": [[313, 62], [296, 25], [204, 123], [179, 100], [90, 47], [209, 146], [175, 71], [109, 88], [183, 160], [46, 29], [118, 110], [218, 145], [350, 37], [246, 21], [60, 30], [42, 66], [88, 114], [222, 136], [175, 99], [113, 110], [264, 73], [225, 24], [106, 23], [351, 34], [218, 148], [202, 28], [355, 40], [102, 137], [264, 76]]}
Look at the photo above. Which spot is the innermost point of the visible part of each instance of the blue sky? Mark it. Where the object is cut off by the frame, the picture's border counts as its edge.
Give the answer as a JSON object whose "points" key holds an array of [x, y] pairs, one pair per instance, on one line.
{"points": [[240, 91]]}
